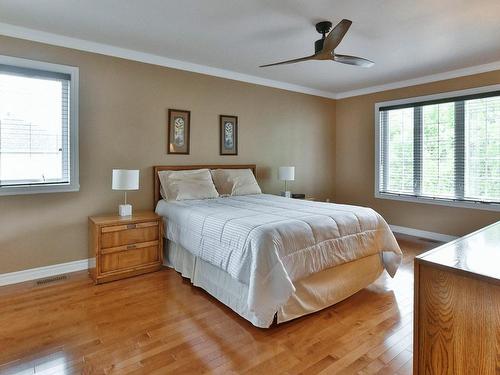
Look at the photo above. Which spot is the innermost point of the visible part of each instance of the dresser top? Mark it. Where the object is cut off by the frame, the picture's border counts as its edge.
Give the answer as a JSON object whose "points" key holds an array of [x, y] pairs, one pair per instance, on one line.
{"points": [[477, 254], [117, 219]]}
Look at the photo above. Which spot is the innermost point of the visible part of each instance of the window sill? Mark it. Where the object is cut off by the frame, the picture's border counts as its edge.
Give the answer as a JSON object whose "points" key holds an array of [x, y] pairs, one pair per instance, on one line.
{"points": [[440, 202], [24, 190]]}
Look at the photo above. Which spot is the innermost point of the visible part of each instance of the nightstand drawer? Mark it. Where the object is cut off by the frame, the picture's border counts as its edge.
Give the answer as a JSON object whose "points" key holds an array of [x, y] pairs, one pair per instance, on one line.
{"points": [[129, 234], [133, 246], [129, 258], [117, 228]]}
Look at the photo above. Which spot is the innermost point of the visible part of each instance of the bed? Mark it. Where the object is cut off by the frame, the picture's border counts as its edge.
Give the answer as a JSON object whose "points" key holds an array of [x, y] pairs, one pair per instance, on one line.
{"points": [[274, 258]]}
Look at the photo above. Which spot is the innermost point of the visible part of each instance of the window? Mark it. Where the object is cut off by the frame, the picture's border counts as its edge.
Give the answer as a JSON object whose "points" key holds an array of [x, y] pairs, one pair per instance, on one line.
{"points": [[442, 149], [38, 127]]}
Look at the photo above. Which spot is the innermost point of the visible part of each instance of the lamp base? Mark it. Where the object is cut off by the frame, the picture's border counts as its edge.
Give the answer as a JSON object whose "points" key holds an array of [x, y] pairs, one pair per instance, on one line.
{"points": [[286, 194], [125, 209]]}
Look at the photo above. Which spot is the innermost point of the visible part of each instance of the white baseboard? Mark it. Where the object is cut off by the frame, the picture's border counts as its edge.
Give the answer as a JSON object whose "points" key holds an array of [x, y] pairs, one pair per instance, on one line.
{"points": [[79, 265], [422, 233], [42, 272]]}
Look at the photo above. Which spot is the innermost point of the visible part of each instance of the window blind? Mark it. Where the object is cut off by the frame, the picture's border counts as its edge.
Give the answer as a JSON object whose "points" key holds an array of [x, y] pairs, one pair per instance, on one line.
{"points": [[442, 149], [34, 127]]}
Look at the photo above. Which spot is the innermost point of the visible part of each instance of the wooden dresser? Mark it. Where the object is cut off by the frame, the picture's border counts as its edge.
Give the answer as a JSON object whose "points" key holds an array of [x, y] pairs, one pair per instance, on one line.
{"points": [[123, 246], [457, 306]]}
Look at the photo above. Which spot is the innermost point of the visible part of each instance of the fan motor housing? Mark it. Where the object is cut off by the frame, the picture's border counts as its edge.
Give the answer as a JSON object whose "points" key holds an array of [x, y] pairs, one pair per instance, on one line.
{"points": [[323, 28], [318, 45]]}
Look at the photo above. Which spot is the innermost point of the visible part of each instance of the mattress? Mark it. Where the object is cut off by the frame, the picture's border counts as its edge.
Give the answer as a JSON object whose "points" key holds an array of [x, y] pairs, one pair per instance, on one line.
{"points": [[268, 243]]}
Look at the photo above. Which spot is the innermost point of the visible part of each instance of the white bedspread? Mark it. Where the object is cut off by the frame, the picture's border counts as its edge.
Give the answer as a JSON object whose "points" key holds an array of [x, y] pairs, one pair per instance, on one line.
{"points": [[267, 242]]}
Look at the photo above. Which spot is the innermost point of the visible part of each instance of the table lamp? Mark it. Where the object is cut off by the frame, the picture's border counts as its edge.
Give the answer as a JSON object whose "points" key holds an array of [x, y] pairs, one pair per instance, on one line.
{"points": [[286, 174], [125, 179]]}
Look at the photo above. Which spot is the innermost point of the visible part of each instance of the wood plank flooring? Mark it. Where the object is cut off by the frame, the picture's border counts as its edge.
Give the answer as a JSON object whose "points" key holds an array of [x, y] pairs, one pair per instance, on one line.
{"points": [[159, 324]]}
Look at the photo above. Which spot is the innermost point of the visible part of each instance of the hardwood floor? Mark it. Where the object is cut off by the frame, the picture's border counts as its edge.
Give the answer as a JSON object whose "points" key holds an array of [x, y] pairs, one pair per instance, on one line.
{"points": [[159, 324]]}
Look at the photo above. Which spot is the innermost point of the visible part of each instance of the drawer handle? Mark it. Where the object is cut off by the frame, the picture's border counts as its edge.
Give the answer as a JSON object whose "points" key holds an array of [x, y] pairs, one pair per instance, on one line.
{"points": [[129, 247], [131, 226]]}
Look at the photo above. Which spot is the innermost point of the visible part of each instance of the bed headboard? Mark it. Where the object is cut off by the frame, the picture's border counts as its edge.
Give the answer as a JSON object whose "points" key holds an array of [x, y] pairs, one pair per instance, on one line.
{"points": [[157, 168]]}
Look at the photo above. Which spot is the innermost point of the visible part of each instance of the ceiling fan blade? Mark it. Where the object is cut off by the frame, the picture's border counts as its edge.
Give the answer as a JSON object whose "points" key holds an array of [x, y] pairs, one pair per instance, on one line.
{"points": [[336, 35], [312, 57], [353, 60]]}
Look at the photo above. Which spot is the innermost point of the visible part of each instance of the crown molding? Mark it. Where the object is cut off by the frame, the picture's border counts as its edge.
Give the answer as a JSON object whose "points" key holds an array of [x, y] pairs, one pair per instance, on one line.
{"points": [[421, 80], [124, 53]]}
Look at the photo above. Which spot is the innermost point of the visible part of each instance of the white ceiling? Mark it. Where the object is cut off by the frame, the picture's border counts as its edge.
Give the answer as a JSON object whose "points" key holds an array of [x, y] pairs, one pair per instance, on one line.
{"points": [[407, 39]]}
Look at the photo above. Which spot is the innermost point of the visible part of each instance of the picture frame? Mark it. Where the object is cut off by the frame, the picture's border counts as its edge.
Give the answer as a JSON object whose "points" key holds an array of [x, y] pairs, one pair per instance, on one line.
{"points": [[228, 135], [178, 131]]}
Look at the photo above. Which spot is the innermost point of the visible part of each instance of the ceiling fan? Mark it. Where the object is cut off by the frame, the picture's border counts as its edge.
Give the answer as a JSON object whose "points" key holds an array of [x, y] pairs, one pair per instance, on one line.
{"points": [[324, 48]]}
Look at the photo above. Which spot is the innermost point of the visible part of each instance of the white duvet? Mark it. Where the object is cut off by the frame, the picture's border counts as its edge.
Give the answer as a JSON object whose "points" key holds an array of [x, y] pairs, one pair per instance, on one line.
{"points": [[267, 242]]}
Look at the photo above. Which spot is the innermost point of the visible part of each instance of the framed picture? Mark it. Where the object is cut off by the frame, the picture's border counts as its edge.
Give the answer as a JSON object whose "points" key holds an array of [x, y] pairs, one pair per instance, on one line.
{"points": [[228, 135], [178, 131]]}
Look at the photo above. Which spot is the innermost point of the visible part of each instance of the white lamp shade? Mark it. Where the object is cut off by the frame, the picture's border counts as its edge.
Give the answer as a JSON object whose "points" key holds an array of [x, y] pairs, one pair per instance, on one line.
{"points": [[125, 179], [286, 173]]}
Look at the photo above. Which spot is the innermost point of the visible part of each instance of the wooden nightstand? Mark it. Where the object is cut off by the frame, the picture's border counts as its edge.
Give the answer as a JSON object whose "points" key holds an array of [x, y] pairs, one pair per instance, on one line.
{"points": [[124, 246]]}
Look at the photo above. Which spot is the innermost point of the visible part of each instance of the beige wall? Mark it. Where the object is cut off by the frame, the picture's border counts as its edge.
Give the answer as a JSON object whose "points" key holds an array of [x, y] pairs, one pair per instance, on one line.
{"points": [[123, 108], [355, 159]]}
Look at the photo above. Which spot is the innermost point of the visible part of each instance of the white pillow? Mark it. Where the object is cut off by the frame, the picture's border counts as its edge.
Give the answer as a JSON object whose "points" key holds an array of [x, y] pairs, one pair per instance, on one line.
{"points": [[235, 182], [187, 184]]}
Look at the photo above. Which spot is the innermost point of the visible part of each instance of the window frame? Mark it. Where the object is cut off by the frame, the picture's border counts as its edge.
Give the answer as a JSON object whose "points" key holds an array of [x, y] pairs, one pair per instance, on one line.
{"points": [[417, 199], [74, 184]]}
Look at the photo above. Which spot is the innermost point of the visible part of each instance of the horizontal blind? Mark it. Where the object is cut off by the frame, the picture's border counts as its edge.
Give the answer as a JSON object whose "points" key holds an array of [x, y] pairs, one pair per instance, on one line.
{"points": [[34, 127], [442, 149], [482, 149], [438, 150], [397, 151]]}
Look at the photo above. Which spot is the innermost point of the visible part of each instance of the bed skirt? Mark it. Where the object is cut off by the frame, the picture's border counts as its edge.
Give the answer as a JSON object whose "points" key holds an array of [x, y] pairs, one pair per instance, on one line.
{"points": [[312, 294]]}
